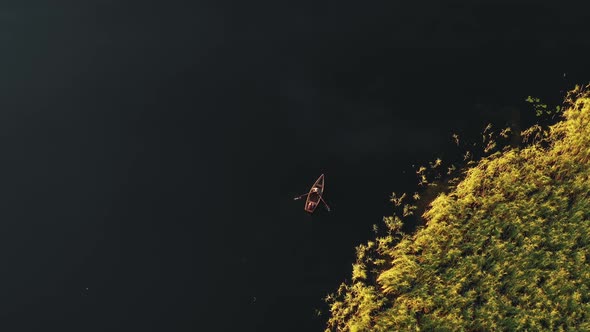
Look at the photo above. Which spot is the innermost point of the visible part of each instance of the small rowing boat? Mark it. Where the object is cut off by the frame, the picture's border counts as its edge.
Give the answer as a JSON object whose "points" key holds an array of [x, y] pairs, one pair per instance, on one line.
{"points": [[314, 196]]}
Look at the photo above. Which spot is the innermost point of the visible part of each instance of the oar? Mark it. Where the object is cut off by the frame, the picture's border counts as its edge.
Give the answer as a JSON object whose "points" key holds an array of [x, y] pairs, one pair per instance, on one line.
{"points": [[326, 204], [299, 197]]}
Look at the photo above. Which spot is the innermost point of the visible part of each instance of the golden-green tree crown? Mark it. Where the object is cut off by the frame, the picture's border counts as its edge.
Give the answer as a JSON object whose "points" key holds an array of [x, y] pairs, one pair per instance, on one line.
{"points": [[506, 248]]}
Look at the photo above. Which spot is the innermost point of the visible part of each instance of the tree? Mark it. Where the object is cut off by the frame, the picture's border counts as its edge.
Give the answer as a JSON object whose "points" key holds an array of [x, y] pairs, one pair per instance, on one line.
{"points": [[503, 249]]}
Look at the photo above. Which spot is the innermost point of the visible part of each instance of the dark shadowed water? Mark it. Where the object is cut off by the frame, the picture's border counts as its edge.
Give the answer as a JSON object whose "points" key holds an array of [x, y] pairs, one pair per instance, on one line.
{"points": [[150, 153]]}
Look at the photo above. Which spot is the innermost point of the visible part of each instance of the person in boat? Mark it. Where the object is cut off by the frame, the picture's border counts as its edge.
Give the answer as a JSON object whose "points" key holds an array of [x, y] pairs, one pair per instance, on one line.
{"points": [[314, 190]]}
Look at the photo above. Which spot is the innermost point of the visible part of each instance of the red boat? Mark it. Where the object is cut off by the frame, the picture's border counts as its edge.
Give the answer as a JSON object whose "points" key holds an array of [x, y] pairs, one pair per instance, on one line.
{"points": [[314, 196]]}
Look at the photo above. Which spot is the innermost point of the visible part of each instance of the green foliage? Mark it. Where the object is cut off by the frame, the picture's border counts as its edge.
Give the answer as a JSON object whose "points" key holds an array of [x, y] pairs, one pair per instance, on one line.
{"points": [[541, 108], [504, 249]]}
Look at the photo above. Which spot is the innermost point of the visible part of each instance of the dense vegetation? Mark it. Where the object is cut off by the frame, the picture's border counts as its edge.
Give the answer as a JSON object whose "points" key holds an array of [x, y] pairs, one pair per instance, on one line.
{"points": [[504, 248]]}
